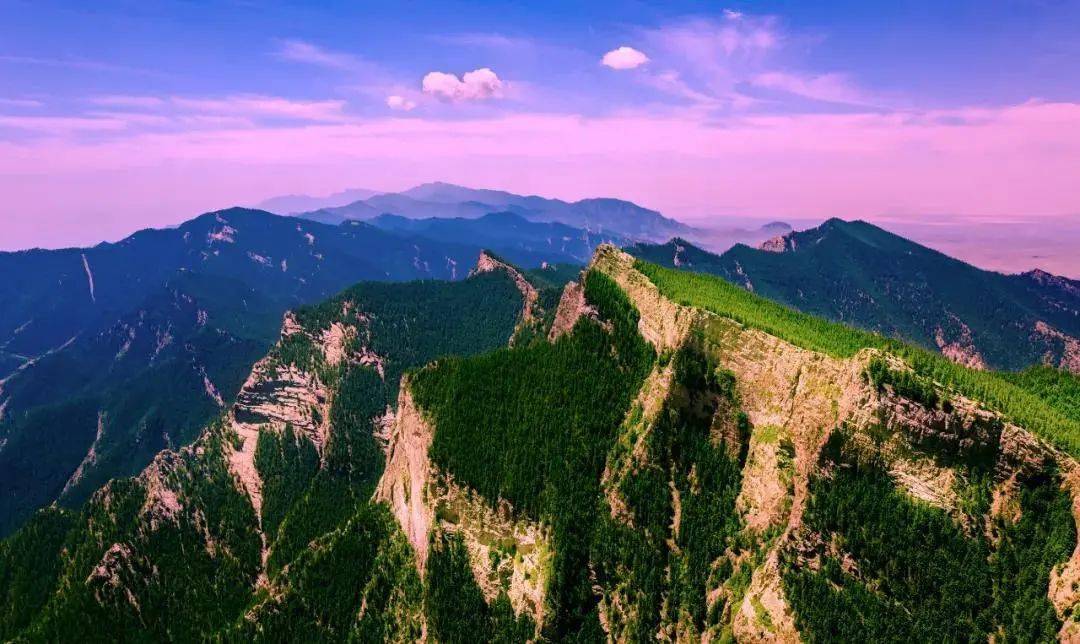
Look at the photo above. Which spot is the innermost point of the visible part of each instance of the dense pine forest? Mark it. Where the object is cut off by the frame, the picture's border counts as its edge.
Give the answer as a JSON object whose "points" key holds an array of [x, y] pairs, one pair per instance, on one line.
{"points": [[609, 482], [1042, 403]]}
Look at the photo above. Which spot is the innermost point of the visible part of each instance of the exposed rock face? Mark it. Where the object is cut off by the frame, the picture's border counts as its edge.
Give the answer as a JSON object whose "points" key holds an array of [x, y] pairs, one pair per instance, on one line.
{"points": [[572, 307], [1064, 590], [961, 349], [405, 480], [647, 408], [789, 394], [501, 545], [663, 323], [1063, 350], [764, 614], [488, 263], [275, 395], [779, 244], [91, 456], [794, 399], [1064, 285], [506, 552]]}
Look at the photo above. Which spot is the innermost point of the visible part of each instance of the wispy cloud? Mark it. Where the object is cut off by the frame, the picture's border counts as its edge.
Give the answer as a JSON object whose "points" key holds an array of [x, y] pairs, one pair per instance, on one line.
{"points": [[736, 61], [77, 63], [265, 106], [20, 102], [353, 65], [831, 87], [62, 124], [135, 113], [127, 100], [488, 40]]}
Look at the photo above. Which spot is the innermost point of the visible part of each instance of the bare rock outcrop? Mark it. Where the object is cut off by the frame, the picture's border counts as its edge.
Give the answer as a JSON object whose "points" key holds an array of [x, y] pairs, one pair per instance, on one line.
{"points": [[778, 244], [572, 307], [404, 483], [959, 347], [507, 553], [1063, 349], [488, 263], [663, 323], [764, 614]]}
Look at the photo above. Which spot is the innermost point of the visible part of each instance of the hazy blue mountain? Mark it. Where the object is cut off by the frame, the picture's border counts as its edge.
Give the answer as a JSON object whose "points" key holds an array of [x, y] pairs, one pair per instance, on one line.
{"points": [[863, 275], [599, 216], [53, 295], [524, 242], [291, 204]]}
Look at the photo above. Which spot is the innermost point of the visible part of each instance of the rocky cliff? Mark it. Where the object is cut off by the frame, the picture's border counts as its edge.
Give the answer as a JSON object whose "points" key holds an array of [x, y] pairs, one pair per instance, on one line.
{"points": [[796, 401]]}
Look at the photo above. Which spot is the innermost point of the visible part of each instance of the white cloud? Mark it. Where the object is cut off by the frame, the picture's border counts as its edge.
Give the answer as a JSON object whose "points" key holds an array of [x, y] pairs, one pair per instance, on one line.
{"points": [[396, 102], [477, 85], [624, 58]]}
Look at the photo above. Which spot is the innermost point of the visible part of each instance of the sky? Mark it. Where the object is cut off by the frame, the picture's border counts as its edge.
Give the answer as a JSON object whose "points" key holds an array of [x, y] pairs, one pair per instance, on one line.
{"points": [[116, 116]]}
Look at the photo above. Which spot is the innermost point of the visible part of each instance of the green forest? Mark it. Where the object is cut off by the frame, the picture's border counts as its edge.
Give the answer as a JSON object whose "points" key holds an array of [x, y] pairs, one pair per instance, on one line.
{"points": [[1031, 402], [916, 574], [532, 424]]}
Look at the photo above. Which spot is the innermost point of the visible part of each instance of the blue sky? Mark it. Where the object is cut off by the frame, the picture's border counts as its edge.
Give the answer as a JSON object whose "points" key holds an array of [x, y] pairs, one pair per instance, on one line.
{"points": [[113, 113], [938, 53]]}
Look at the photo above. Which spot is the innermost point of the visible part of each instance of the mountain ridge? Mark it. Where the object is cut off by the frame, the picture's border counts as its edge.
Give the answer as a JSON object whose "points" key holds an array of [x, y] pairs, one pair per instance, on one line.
{"points": [[598, 215], [130, 337], [861, 274]]}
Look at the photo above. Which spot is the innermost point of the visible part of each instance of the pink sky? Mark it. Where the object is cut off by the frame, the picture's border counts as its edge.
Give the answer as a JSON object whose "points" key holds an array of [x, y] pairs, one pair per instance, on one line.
{"points": [[1015, 161]]}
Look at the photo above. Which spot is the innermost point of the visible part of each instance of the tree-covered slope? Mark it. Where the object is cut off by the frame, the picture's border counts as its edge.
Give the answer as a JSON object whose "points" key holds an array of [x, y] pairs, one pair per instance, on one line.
{"points": [[859, 274], [673, 458], [126, 349], [183, 551]]}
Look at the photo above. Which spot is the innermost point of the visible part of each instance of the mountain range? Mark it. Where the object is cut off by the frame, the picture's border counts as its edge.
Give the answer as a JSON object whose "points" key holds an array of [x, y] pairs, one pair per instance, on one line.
{"points": [[478, 419], [444, 200], [859, 274], [115, 352], [642, 453], [293, 204]]}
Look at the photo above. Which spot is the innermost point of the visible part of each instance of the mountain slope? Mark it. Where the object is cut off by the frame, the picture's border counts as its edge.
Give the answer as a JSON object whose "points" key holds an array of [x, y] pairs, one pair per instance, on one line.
{"points": [[130, 348], [674, 458], [295, 479], [860, 274]]}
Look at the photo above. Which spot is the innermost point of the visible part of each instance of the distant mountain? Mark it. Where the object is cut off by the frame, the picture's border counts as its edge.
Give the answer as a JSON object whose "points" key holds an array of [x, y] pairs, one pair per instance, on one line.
{"points": [[115, 352], [55, 295], [520, 240], [292, 204], [443, 200], [863, 275]]}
